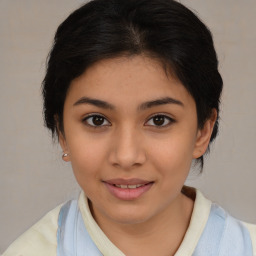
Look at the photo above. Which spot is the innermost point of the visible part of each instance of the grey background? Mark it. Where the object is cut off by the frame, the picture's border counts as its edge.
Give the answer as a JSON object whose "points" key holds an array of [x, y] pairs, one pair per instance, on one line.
{"points": [[33, 177]]}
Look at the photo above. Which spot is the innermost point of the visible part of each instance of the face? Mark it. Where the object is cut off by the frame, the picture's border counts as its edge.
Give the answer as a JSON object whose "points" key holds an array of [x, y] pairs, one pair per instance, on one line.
{"points": [[131, 133]]}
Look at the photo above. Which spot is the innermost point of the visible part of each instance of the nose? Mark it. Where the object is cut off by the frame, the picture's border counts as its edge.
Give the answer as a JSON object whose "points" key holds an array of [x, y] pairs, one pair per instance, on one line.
{"points": [[127, 149]]}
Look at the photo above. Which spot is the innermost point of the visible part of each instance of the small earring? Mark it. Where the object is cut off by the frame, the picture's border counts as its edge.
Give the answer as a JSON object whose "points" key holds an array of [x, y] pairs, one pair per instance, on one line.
{"points": [[64, 155]]}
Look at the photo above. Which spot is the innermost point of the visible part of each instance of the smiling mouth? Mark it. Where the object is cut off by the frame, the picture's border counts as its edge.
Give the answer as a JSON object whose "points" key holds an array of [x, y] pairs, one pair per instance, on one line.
{"points": [[127, 183], [130, 189]]}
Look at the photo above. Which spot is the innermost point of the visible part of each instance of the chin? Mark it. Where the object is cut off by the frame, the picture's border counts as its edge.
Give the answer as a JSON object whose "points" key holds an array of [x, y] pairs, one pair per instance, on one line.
{"points": [[130, 216]]}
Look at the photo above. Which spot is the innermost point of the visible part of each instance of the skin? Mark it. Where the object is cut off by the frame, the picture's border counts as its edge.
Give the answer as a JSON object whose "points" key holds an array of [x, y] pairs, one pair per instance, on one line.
{"points": [[131, 144]]}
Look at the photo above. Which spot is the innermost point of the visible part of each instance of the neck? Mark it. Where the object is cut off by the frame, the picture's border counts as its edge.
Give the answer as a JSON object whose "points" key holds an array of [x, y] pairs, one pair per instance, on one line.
{"points": [[160, 235]]}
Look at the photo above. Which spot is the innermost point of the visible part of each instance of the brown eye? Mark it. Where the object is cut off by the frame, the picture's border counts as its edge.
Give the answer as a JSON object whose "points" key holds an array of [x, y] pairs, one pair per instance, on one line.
{"points": [[160, 121], [96, 121]]}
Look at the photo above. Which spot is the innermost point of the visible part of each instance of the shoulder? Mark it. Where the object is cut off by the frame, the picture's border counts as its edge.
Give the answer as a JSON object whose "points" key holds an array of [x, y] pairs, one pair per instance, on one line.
{"points": [[221, 234], [252, 229], [39, 240], [234, 234]]}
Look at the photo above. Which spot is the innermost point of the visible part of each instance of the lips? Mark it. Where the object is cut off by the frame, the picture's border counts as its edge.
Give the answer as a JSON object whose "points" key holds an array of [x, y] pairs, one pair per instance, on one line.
{"points": [[133, 181], [128, 189]]}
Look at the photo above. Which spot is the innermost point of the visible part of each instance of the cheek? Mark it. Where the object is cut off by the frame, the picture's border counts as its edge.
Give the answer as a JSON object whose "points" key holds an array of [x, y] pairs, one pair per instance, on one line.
{"points": [[87, 158], [173, 156]]}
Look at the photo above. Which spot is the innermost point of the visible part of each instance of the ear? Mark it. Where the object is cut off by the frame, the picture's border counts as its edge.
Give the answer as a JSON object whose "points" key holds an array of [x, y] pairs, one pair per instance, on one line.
{"points": [[204, 136], [62, 141], [64, 146]]}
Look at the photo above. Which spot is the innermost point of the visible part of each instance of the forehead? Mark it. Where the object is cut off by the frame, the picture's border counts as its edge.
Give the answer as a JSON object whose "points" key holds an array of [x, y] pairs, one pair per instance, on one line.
{"points": [[128, 80]]}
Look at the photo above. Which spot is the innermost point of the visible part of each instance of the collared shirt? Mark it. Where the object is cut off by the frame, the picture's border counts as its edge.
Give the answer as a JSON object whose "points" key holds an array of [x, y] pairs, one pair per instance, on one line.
{"points": [[41, 239]]}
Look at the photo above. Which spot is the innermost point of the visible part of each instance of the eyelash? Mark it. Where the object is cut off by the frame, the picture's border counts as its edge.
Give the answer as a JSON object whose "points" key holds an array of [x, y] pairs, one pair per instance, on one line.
{"points": [[170, 120]]}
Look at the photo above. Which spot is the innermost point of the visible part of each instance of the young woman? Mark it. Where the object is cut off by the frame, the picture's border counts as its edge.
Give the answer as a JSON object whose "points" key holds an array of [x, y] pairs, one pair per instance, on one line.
{"points": [[132, 92]]}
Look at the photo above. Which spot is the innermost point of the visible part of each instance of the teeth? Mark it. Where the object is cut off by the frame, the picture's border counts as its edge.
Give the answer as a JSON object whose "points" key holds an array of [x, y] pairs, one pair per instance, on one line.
{"points": [[132, 186], [129, 186]]}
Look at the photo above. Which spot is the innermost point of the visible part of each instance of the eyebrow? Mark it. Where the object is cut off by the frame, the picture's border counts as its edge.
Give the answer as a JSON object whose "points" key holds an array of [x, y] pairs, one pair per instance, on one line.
{"points": [[143, 106], [159, 102]]}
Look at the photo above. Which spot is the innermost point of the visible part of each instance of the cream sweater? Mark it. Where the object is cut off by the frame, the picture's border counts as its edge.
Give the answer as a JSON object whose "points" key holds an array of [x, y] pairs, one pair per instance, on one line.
{"points": [[40, 239]]}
